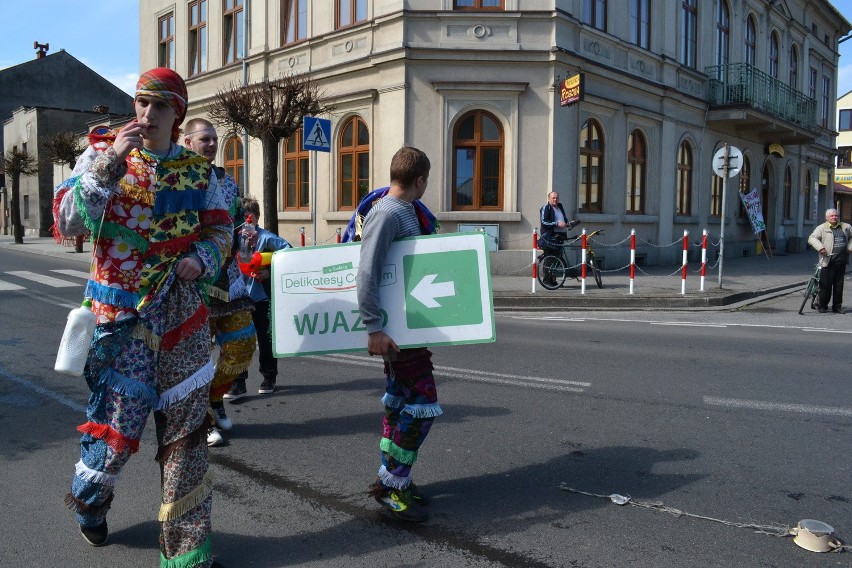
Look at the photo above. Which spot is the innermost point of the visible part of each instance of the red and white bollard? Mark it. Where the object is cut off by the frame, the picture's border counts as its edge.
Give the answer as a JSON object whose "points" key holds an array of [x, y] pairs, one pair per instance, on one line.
{"points": [[534, 263], [302, 236], [703, 257], [683, 269], [583, 263], [632, 258], [338, 235]]}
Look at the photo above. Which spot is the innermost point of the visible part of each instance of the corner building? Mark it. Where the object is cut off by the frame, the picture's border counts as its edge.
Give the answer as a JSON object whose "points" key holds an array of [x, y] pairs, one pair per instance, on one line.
{"points": [[476, 85]]}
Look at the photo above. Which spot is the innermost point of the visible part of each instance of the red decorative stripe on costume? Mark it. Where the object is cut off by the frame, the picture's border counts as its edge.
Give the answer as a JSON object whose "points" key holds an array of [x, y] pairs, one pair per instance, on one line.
{"points": [[195, 322], [172, 246], [116, 440], [57, 200], [215, 217]]}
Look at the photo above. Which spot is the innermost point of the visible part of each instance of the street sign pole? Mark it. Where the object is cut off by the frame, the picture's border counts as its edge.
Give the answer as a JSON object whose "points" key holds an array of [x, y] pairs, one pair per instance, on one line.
{"points": [[314, 193], [727, 162], [316, 137], [722, 226]]}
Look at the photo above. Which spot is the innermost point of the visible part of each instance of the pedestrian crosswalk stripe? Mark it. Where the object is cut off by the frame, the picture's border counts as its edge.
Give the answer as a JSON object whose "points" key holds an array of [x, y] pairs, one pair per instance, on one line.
{"points": [[42, 279], [77, 273], [8, 286]]}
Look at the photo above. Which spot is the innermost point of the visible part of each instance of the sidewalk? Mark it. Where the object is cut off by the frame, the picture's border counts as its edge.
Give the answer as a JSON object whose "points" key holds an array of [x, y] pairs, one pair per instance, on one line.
{"points": [[744, 280]]}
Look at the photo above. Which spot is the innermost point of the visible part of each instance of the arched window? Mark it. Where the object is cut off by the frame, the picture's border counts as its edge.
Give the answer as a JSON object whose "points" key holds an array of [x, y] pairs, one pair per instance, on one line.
{"points": [[716, 197], [809, 208], [794, 66], [478, 162], [750, 41], [297, 194], [773, 55], [590, 188], [234, 162], [684, 179], [688, 30], [353, 150], [745, 176], [636, 156], [723, 28], [788, 192]]}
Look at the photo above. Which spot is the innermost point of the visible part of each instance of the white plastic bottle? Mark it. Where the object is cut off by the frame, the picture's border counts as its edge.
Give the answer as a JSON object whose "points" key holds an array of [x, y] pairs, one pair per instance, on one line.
{"points": [[246, 250], [76, 340]]}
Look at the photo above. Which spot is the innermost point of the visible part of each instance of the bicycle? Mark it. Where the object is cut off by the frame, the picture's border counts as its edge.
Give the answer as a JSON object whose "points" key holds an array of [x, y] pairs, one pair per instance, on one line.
{"points": [[554, 269], [811, 291]]}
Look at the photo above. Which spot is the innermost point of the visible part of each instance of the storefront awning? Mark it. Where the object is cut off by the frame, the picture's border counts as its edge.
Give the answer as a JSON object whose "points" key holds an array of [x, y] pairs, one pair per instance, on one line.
{"points": [[843, 188]]}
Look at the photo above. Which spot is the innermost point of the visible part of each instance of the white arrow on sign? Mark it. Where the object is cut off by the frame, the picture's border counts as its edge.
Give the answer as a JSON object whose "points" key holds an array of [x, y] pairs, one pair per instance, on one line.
{"points": [[427, 290]]}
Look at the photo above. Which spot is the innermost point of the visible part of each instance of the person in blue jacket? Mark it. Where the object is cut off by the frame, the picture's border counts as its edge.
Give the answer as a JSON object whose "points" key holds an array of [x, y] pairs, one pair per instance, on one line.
{"points": [[261, 292]]}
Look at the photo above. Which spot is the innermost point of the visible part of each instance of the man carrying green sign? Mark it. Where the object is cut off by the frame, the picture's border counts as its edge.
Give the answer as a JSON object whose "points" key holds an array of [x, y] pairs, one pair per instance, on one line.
{"points": [[411, 399]]}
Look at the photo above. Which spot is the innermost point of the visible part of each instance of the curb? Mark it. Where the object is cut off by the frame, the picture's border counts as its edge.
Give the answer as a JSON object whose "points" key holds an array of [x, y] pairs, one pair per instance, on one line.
{"points": [[541, 302]]}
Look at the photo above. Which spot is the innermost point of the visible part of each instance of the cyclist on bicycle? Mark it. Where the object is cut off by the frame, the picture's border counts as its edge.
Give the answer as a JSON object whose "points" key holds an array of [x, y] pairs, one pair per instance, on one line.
{"points": [[554, 224]]}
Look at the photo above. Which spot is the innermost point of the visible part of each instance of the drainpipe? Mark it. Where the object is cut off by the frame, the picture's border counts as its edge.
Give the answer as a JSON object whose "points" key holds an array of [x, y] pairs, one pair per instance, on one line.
{"points": [[246, 43]]}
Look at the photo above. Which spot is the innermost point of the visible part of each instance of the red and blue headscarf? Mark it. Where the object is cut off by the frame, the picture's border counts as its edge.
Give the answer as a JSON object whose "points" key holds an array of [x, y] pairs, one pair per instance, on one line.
{"points": [[165, 84]]}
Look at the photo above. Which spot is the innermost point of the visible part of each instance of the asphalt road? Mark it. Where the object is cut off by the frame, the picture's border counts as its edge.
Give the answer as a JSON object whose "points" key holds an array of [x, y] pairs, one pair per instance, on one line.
{"points": [[742, 418]]}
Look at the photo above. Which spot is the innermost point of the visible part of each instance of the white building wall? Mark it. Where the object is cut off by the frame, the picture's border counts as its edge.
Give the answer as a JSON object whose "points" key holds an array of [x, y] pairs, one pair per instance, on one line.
{"points": [[415, 66]]}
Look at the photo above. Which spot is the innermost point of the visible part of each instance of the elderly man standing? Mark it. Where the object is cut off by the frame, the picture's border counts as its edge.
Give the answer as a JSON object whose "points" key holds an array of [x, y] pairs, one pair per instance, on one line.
{"points": [[833, 241]]}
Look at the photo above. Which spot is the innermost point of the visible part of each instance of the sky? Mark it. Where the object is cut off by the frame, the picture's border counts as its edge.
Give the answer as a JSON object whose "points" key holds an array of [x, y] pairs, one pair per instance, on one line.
{"points": [[104, 35]]}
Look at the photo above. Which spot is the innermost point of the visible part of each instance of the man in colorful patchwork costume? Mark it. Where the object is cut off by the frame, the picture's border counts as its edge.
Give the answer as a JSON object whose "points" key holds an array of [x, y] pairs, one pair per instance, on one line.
{"points": [[410, 399], [230, 304], [162, 231]]}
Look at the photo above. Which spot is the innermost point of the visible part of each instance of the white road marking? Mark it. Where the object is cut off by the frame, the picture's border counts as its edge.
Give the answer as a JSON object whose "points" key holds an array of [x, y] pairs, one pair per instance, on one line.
{"points": [[76, 273], [778, 406], [61, 399], [42, 279], [8, 286], [474, 375], [826, 330], [687, 324]]}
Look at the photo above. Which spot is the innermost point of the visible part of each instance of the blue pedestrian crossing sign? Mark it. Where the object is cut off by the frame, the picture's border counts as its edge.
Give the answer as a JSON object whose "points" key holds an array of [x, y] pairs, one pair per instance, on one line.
{"points": [[316, 134]]}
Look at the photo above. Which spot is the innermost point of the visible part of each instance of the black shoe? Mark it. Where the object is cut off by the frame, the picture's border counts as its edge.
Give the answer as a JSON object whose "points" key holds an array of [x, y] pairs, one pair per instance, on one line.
{"points": [[838, 310], [267, 386], [96, 536], [417, 494], [821, 309], [237, 391]]}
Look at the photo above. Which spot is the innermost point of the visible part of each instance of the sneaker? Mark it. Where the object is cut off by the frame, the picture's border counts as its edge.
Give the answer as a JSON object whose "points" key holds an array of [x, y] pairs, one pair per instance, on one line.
{"points": [[402, 505], [267, 386], [214, 437], [237, 391], [221, 418], [96, 536]]}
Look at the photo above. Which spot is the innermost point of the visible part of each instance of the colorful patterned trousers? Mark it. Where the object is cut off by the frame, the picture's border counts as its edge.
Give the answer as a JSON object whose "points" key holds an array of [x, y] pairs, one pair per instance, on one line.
{"points": [[235, 336], [411, 405], [158, 362]]}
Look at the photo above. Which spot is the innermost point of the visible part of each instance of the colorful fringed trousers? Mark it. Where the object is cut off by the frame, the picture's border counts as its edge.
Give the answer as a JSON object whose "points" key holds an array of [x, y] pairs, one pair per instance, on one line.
{"points": [[411, 405], [235, 335], [161, 362]]}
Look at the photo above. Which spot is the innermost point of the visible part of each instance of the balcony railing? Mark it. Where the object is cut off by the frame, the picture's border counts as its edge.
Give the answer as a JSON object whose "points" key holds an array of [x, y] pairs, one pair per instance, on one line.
{"points": [[742, 84]]}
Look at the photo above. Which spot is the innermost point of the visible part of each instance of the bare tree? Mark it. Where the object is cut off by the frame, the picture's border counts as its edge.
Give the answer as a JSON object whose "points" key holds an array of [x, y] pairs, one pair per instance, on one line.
{"points": [[63, 148], [16, 163], [271, 111]]}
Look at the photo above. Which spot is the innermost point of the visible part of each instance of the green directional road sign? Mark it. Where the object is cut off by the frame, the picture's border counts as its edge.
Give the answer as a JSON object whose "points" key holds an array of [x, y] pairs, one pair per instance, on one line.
{"points": [[434, 290], [442, 289]]}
